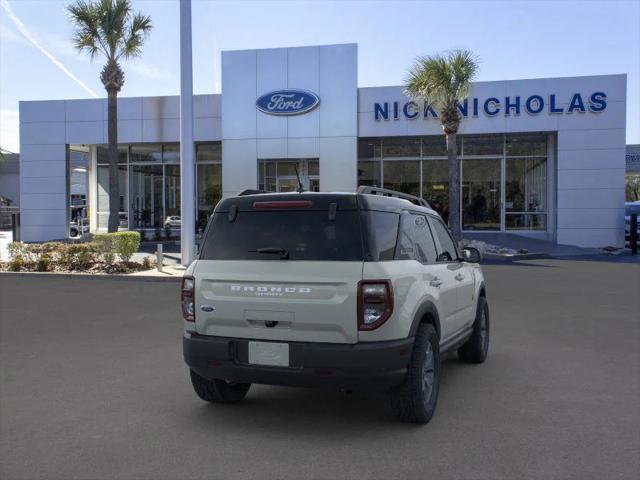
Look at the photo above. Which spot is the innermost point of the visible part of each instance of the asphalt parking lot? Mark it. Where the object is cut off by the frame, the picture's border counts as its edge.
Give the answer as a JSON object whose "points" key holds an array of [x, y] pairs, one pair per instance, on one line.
{"points": [[93, 386]]}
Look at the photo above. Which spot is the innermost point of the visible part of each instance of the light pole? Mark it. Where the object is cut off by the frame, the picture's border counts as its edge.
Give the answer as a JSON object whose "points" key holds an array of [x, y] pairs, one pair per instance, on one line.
{"points": [[187, 147]]}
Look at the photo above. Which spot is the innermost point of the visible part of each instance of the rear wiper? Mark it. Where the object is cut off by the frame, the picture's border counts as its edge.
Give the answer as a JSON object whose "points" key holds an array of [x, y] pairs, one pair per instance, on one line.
{"points": [[284, 253]]}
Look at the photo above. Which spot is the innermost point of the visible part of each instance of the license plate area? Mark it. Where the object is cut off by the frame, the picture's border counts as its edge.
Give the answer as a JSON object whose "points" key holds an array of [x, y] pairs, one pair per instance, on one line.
{"points": [[269, 353]]}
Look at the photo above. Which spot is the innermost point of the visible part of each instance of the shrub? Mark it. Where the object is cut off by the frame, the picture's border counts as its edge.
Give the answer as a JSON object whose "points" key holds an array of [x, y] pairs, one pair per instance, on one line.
{"points": [[126, 244], [16, 249], [77, 256], [146, 263], [106, 247], [16, 263], [44, 263]]}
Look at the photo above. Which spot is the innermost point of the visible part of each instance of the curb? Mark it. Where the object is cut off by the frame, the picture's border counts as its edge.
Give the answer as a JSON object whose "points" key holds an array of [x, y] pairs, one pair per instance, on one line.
{"points": [[489, 258], [92, 276]]}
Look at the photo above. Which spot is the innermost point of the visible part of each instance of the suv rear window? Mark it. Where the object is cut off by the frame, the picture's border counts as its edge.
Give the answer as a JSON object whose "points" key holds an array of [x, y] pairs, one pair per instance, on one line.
{"points": [[303, 234]]}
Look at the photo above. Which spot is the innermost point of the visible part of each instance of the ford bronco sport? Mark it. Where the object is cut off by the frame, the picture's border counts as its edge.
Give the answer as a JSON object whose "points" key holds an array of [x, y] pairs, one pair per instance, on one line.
{"points": [[359, 290]]}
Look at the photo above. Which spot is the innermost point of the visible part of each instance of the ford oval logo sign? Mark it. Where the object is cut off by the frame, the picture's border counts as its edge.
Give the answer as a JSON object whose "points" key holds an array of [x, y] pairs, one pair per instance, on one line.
{"points": [[287, 102]]}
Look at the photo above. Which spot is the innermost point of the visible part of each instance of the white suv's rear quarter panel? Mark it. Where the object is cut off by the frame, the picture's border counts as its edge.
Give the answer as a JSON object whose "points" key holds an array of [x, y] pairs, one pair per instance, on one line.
{"points": [[409, 283]]}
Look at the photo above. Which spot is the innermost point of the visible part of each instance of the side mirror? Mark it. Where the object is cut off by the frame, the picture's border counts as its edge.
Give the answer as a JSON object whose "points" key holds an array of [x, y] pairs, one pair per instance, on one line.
{"points": [[471, 255]]}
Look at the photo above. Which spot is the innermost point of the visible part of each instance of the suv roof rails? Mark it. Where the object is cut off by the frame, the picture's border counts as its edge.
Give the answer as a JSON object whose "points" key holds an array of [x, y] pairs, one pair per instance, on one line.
{"points": [[250, 191], [369, 190]]}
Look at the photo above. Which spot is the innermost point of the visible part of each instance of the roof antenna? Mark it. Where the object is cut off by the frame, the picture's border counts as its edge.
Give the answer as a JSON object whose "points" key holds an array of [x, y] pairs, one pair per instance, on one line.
{"points": [[300, 187]]}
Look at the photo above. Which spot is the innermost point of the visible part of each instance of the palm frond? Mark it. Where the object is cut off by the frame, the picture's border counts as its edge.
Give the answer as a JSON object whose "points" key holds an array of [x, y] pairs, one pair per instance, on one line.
{"points": [[109, 27], [442, 80], [139, 28]]}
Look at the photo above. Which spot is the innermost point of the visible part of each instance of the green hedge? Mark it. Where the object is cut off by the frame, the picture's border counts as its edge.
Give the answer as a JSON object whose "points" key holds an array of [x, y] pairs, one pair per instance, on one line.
{"points": [[74, 256], [126, 244]]}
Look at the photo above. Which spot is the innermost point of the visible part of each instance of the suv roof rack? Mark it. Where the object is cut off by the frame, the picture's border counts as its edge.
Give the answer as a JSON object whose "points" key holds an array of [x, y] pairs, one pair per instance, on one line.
{"points": [[369, 190], [250, 191]]}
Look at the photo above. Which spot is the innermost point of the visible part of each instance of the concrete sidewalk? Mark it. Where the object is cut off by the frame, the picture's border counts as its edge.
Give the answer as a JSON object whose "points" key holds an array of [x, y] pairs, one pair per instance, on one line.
{"points": [[532, 246]]}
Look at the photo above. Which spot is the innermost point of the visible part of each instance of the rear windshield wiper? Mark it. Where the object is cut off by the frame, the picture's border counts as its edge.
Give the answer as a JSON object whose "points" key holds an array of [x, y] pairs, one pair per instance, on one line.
{"points": [[283, 252]]}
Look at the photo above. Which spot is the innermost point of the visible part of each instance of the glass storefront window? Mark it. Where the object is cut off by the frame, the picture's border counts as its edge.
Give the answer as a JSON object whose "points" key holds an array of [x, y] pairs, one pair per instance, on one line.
{"points": [[146, 152], [526, 185], [526, 221], [171, 191], [102, 154], [279, 175], [171, 153], [208, 152], [102, 191], [483, 145], [526, 144], [402, 147], [146, 191], [209, 192], [435, 186], [369, 173], [492, 199], [435, 146], [402, 176], [481, 194]]}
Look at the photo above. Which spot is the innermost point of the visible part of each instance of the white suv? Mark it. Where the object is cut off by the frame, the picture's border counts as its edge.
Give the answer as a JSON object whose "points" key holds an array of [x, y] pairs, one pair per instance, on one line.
{"points": [[355, 291]]}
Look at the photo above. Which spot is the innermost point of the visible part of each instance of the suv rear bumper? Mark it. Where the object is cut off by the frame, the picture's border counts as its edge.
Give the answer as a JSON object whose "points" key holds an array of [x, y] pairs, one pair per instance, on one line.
{"points": [[363, 366]]}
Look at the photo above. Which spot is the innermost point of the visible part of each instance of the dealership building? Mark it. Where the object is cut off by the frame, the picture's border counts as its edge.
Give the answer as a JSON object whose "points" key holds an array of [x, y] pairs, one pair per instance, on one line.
{"points": [[543, 158]]}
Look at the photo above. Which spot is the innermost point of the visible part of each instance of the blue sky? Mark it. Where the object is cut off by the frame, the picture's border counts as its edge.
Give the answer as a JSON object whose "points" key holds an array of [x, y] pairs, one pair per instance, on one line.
{"points": [[513, 40]]}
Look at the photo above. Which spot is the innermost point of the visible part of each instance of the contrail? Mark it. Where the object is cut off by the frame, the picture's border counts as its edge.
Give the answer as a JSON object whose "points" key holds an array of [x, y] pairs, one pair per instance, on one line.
{"points": [[27, 34]]}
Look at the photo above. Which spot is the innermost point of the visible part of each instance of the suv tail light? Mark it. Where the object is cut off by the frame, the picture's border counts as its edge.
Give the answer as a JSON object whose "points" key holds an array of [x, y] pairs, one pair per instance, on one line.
{"points": [[186, 299], [375, 303]]}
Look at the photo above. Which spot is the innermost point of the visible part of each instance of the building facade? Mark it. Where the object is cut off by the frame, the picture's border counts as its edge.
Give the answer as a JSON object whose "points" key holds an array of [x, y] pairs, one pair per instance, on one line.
{"points": [[541, 157]]}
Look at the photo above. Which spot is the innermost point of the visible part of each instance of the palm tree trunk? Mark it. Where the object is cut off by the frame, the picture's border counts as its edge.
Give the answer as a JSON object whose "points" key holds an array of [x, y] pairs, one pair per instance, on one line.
{"points": [[454, 187], [114, 191]]}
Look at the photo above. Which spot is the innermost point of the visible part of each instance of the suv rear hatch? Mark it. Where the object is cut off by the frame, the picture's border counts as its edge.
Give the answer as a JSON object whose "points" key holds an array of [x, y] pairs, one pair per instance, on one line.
{"points": [[281, 267]]}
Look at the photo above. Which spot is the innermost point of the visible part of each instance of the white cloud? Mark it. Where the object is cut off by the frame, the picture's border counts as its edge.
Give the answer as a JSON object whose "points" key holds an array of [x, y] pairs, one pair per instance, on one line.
{"points": [[22, 28], [9, 130]]}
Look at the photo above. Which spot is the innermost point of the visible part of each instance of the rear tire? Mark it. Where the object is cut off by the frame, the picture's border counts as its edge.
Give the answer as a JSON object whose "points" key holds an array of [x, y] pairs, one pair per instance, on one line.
{"points": [[218, 391], [475, 349], [414, 401]]}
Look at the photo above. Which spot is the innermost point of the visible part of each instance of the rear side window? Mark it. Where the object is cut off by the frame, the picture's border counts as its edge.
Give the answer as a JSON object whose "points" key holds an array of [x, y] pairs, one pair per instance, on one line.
{"points": [[448, 252], [302, 234], [415, 241], [382, 233]]}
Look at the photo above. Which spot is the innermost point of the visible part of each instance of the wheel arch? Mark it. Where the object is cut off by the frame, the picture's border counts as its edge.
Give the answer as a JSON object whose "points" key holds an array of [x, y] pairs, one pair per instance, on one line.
{"points": [[482, 290], [426, 313]]}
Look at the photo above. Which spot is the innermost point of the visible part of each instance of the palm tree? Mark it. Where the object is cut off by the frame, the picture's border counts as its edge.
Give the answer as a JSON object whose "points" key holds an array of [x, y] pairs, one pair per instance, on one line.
{"points": [[444, 81], [112, 29]]}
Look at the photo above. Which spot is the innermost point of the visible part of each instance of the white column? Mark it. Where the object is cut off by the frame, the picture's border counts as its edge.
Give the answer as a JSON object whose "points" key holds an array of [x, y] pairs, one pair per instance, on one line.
{"points": [[187, 147]]}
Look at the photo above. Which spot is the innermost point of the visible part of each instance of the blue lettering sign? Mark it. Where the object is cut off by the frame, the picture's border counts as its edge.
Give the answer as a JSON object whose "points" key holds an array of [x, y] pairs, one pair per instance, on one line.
{"points": [[552, 105], [428, 109], [287, 102], [539, 104], [464, 107], [380, 111], [598, 102], [495, 102], [509, 105], [576, 104], [492, 106], [410, 110]]}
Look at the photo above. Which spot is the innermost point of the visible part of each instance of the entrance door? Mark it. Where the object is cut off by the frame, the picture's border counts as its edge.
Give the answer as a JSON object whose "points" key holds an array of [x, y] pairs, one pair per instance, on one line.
{"points": [[481, 194], [281, 175]]}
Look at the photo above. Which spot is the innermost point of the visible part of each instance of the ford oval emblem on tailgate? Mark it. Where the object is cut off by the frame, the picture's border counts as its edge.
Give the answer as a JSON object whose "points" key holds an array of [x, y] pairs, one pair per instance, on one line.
{"points": [[207, 308]]}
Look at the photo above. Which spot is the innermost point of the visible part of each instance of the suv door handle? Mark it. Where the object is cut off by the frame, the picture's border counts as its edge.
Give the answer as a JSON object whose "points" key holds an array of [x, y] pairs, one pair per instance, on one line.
{"points": [[459, 277], [435, 282]]}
